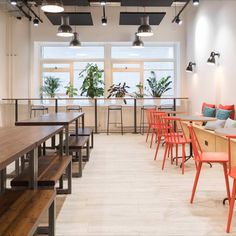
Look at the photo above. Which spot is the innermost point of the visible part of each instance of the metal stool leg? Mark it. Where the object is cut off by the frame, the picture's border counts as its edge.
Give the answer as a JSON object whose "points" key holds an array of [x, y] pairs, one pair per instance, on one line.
{"points": [[121, 116], [108, 121]]}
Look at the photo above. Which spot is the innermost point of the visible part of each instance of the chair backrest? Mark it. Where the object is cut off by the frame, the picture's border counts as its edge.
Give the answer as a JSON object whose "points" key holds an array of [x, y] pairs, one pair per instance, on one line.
{"points": [[230, 138], [197, 151], [158, 122], [150, 116], [174, 131]]}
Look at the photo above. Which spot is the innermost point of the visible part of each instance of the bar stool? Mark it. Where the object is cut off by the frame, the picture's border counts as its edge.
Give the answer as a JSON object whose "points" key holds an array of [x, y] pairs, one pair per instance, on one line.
{"points": [[115, 108], [142, 115], [73, 108], [38, 108], [77, 108]]}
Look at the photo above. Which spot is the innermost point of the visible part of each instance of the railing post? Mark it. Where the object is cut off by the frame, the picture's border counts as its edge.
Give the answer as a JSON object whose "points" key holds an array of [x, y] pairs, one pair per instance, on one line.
{"points": [[135, 115], [174, 104], [56, 105], [16, 110], [96, 115]]}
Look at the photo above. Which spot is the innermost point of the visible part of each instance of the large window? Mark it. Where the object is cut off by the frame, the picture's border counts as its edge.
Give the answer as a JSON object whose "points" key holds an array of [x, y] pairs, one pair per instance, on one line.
{"points": [[121, 64]]}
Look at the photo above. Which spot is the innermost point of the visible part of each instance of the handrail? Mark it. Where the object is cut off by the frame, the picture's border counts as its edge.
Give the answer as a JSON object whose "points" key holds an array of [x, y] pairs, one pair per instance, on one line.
{"points": [[16, 100]]}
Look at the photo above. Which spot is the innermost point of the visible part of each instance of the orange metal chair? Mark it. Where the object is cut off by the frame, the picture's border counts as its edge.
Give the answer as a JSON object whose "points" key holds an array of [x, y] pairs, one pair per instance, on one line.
{"points": [[206, 157], [159, 126], [174, 136], [232, 174]]}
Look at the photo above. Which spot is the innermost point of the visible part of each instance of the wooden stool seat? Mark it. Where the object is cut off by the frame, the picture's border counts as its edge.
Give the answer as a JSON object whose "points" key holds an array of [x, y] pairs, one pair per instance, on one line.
{"points": [[20, 211]]}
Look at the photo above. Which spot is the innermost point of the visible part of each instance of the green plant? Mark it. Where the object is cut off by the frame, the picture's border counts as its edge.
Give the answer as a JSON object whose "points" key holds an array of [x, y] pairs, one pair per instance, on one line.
{"points": [[71, 91], [51, 86], [93, 84], [140, 93], [118, 91], [158, 88]]}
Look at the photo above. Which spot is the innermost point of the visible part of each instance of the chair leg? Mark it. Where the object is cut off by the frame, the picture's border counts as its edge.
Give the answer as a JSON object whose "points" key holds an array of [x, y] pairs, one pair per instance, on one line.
{"points": [[157, 148], [165, 154], [153, 131], [231, 207], [177, 154], [196, 181], [226, 180], [171, 153], [183, 158], [121, 119], [148, 131]]}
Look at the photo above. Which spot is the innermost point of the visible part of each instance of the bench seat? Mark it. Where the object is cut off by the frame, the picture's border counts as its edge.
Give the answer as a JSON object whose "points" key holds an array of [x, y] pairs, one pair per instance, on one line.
{"points": [[85, 132], [50, 170], [21, 211]]}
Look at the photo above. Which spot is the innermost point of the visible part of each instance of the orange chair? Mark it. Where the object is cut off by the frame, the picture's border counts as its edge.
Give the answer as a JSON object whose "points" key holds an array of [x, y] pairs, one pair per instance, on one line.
{"points": [[206, 157], [232, 174], [174, 136], [159, 127]]}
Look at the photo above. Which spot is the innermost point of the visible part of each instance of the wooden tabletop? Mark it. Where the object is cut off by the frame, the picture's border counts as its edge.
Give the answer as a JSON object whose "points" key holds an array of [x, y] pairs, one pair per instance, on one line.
{"points": [[226, 131], [194, 118], [17, 141], [60, 118]]}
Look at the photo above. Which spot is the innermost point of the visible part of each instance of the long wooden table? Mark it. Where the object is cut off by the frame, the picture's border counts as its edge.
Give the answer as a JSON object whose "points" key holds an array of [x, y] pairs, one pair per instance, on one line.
{"points": [[55, 119], [17, 141]]}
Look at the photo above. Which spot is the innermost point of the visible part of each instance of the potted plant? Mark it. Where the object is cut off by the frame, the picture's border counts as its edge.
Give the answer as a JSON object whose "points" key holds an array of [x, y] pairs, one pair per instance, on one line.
{"points": [[140, 92], [51, 86], [71, 91], [118, 91], [93, 85], [158, 88]]}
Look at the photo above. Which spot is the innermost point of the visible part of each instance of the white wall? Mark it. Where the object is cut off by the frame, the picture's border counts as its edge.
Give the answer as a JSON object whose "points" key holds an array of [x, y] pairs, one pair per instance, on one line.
{"points": [[212, 28]]}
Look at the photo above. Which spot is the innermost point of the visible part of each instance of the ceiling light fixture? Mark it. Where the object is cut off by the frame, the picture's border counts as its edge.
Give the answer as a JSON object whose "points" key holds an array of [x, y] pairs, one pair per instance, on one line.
{"points": [[195, 2], [190, 67], [103, 2], [36, 22], [137, 43], [65, 29], [104, 19], [52, 6], [75, 43], [145, 29], [212, 59], [14, 2], [178, 20]]}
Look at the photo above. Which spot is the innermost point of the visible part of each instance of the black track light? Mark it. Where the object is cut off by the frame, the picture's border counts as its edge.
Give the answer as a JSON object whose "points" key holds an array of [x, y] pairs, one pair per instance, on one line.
{"points": [[178, 20], [104, 19], [14, 2], [36, 22], [195, 2]]}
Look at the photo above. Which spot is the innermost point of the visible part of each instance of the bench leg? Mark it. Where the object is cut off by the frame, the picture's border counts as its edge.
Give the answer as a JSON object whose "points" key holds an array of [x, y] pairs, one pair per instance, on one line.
{"points": [[69, 177], [22, 163], [61, 182], [92, 140], [3, 180], [17, 167], [88, 150], [52, 219], [80, 163]]}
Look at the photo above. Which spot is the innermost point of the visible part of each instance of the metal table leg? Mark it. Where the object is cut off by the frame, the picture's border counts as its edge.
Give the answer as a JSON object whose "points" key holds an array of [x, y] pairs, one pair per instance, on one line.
{"points": [[33, 167]]}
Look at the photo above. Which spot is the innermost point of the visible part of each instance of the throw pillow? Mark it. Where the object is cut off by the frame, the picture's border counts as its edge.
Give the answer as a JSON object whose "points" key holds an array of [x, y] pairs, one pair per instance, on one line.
{"points": [[213, 125], [207, 105], [230, 123], [230, 108], [222, 114], [209, 112]]}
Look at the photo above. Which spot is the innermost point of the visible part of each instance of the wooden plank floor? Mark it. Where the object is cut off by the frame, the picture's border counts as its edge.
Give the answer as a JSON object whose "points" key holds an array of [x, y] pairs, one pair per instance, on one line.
{"points": [[123, 192]]}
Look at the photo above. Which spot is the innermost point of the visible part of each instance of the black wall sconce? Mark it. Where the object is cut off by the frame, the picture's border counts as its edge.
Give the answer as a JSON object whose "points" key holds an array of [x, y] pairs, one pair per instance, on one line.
{"points": [[212, 59], [190, 67]]}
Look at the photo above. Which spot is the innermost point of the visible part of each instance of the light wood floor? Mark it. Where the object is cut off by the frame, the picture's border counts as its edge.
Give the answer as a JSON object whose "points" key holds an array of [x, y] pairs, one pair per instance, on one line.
{"points": [[123, 192]]}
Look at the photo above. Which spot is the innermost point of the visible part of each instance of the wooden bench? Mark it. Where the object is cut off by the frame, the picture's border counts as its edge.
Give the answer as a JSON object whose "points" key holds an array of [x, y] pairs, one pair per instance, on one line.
{"points": [[21, 211], [76, 144], [86, 132], [51, 169]]}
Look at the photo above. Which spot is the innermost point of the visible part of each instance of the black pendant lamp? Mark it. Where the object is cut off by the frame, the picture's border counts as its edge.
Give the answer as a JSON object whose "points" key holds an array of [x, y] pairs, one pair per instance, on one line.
{"points": [[65, 29], [75, 43], [137, 43], [145, 30]]}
